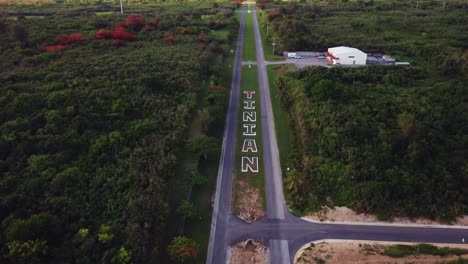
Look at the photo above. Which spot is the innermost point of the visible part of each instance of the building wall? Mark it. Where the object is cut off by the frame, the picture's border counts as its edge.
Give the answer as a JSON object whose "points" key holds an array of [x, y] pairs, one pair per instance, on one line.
{"points": [[351, 58]]}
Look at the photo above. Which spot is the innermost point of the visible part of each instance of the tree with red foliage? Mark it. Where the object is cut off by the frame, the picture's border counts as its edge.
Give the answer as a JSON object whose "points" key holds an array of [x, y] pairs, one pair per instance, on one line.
{"points": [[123, 35], [182, 249], [103, 34], [271, 16], [219, 89], [119, 33], [169, 39], [55, 48], [135, 22], [152, 24], [121, 25], [185, 30], [262, 6], [69, 39]]}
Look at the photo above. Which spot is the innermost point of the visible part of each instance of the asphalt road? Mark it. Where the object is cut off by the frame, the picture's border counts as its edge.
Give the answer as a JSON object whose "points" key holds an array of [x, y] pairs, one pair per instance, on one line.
{"points": [[222, 211], [283, 233]]}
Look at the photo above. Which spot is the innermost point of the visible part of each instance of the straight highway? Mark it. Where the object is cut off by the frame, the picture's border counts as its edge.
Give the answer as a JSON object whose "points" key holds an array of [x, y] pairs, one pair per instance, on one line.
{"points": [[282, 232]]}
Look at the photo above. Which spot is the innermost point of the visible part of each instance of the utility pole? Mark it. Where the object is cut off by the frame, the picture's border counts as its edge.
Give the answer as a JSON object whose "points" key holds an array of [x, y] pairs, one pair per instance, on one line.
{"points": [[273, 44], [121, 7]]}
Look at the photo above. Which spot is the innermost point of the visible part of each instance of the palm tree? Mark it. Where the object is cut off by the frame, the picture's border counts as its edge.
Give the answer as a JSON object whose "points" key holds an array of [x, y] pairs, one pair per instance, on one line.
{"points": [[293, 181]]}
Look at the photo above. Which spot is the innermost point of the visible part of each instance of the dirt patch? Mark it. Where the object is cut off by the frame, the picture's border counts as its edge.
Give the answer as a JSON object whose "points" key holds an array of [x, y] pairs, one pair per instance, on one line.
{"points": [[368, 252], [249, 251], [345, 214], [249, 204]]}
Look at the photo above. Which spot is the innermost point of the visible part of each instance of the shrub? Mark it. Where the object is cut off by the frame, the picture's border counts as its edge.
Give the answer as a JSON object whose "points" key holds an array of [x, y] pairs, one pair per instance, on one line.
{"points": [[135, 22], [55, 48], [169, 38], [185, 30], [271, 16]]}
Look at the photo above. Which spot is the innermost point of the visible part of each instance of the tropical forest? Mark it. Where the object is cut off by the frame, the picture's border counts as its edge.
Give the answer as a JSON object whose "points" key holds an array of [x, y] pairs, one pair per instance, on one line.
{"points": [[98, 111]]}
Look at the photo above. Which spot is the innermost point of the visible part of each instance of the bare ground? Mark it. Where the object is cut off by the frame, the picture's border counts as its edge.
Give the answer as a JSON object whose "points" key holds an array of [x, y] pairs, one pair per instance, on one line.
{"points": [[249, 204], [251, 252], [366, 252], [345, 214]]}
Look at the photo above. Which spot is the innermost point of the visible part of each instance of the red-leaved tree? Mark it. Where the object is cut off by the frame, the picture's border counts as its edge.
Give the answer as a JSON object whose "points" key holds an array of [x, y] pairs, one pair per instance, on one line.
{"points": [[169, 39], [123, 35], [119, 33], [135, 22], [52, 48], [262, 6], [69, 39], [271, 16], [185, 30], [103, 34], [182, 249]]}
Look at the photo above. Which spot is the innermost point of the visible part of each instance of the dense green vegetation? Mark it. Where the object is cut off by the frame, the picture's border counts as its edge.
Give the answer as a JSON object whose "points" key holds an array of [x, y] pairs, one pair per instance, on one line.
{"points": [[384, 140], [379, 140], [93, 133], [399, 251]]}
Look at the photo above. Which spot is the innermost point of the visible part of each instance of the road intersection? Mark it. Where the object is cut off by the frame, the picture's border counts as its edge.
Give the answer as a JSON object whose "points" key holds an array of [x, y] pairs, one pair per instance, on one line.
{"points": [[282, 232]]}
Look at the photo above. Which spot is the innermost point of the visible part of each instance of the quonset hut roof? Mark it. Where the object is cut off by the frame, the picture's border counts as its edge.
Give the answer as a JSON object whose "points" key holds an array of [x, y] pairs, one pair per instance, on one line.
{"points": [[337, 51]]}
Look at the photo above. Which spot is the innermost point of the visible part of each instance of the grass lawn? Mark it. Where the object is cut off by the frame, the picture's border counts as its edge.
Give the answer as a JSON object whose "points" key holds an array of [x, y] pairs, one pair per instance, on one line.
{"points": [[249, 53], [284, 132]]}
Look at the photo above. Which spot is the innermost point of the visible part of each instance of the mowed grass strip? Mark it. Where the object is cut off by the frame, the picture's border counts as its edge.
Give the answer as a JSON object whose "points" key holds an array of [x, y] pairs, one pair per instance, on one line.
{"points": [[284, 133], [249, 82], [249, 53]]}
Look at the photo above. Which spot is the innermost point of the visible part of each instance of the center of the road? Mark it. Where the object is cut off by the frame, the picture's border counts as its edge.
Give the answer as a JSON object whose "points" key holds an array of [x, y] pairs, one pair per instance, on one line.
{"points": [[249, 117]]}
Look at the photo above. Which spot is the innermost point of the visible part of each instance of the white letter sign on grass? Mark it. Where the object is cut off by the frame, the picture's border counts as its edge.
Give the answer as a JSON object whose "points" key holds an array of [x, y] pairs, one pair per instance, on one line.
{"points": [[249, 94], [249, 104], [249, 130], [249, 145], [249, 116], [249, 164]]}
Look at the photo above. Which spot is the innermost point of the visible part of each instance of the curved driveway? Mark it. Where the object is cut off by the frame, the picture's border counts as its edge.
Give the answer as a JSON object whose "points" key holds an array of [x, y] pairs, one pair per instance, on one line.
{"points": [[284, 233]]}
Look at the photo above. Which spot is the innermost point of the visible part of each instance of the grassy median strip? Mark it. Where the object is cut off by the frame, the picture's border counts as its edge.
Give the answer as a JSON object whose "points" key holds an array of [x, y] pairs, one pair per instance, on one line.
{"points": [[249, 195], [249, 39]]}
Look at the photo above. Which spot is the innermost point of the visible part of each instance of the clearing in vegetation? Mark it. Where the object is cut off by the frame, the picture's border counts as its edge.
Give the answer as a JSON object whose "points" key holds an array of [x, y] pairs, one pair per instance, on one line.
{"points": [[249, 251]]}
